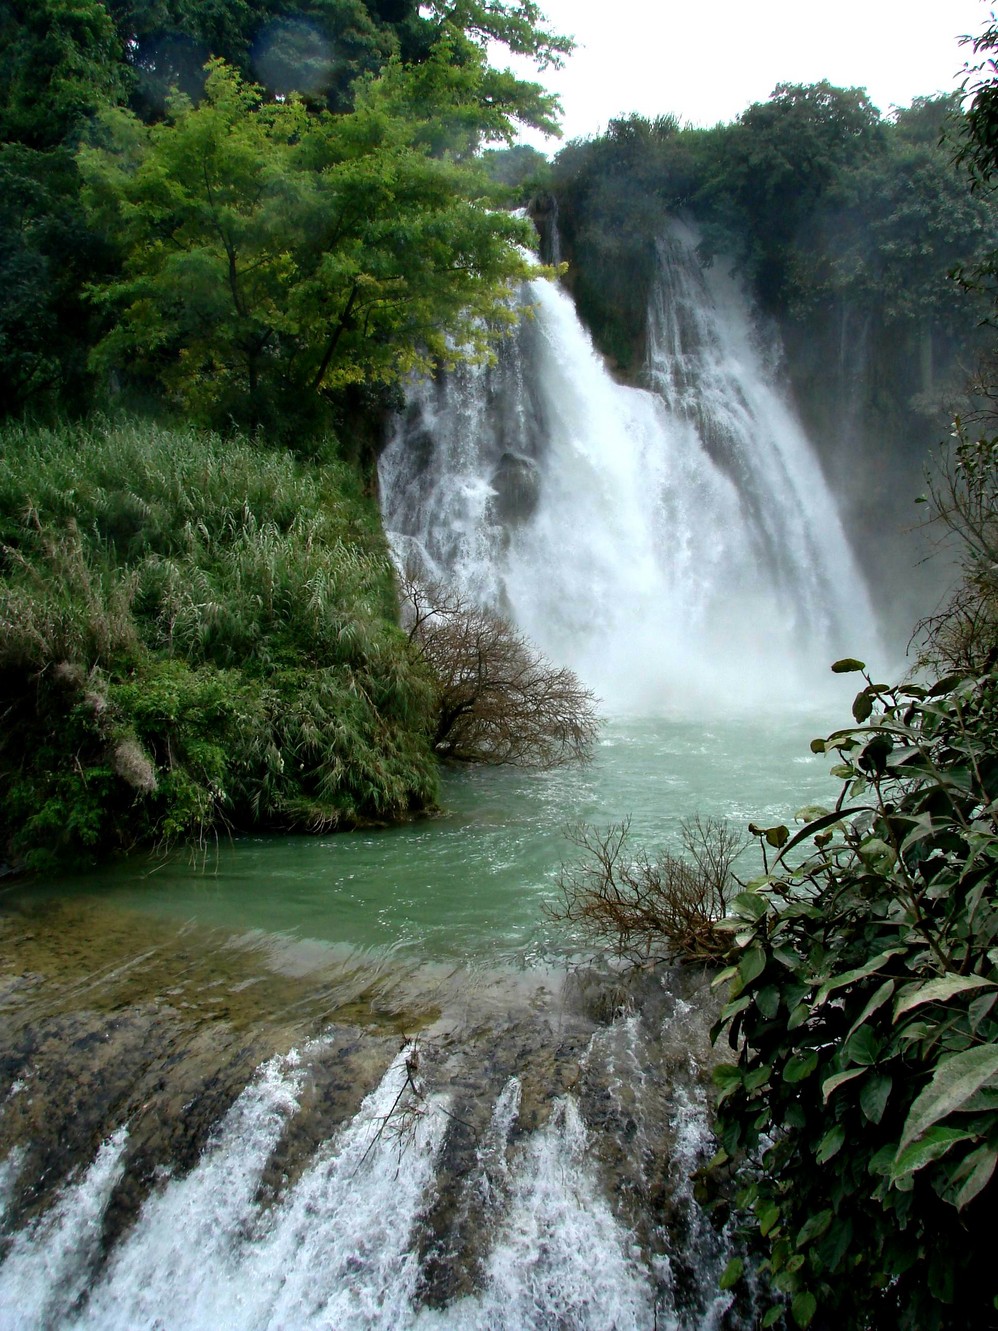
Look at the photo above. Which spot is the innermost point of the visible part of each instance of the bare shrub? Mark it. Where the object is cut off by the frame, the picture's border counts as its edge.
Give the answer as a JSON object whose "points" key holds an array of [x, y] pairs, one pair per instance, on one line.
{"points": [[499, 699], [963, 502], [645, 910]]}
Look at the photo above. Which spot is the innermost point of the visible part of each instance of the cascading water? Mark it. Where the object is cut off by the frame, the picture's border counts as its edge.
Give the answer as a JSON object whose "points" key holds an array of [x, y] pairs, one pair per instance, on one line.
{"points": [[526, 1163], [672, 543], [534, 1182]]}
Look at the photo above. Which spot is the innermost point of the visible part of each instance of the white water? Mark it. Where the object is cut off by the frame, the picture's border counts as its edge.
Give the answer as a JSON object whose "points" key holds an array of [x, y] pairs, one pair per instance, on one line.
{"points": [[684, 546], [339, 1246]]}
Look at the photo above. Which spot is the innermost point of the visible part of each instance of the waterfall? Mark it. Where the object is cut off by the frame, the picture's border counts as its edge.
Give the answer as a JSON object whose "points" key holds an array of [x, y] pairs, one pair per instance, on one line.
{"points": [[446, 1202], [675, 545]]}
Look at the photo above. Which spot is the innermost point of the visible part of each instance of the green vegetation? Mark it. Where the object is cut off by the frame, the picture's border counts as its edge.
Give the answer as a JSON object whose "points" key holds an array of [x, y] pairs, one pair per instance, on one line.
{"points": [[862, 1008], [823, 205], [197, 634], [253, 216], [246, 210], [859, 1116]]}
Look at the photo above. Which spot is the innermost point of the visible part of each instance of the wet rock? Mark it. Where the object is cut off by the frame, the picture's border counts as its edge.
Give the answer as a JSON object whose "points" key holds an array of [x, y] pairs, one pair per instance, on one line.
{"points": [[517, 483]]}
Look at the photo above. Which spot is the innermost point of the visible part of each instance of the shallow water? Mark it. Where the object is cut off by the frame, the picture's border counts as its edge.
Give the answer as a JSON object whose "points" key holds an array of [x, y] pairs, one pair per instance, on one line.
{"points": [[471, 885]]}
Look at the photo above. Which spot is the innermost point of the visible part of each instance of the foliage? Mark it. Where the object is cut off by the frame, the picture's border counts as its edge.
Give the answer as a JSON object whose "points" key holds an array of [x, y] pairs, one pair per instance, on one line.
{"points": [[371, 233], [651, 910], [498, 700], [195, 635], [978, 147], [273, 258], [824, 206], [963, 501], [862, 1010], [46, 253], [60, 62]]}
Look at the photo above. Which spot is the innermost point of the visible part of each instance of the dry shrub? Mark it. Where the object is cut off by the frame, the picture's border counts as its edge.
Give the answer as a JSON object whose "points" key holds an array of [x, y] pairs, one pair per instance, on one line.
{"points": [[499, 699], [644, 910]]}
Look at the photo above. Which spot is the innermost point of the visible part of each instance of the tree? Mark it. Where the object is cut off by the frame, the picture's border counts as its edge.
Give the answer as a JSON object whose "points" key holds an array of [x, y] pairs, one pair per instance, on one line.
{"points": [[498, 699], [273, 257], [60, 63], [963, 497], [773, 168]]}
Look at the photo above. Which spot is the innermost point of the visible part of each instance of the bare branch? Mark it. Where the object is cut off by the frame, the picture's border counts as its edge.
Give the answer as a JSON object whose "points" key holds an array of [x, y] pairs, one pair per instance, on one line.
{"points": [[643, 911], [500, 700]]}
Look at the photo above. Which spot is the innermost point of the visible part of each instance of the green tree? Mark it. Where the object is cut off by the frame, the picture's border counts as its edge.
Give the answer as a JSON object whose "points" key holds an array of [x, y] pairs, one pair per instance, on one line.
{"points": [[773, 168], [60, 63], [46, 253], [272, 257]]}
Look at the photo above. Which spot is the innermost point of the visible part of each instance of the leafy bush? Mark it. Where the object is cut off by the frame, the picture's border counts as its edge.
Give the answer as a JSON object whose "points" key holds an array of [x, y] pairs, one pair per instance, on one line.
{"points": [[195, 635], [862, 1009]]}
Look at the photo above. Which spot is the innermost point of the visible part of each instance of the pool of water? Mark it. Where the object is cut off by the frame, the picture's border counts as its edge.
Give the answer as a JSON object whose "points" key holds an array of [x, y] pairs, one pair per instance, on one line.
{"points": [[473, 885]]}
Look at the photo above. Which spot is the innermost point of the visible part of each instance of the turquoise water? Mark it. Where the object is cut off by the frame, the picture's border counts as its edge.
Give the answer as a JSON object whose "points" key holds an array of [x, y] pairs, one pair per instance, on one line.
{"points": [[472, 885]]}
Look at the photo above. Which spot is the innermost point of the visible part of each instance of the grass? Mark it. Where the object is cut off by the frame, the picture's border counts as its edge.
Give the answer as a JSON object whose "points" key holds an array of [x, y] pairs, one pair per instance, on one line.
{"points": [[195, 634]]}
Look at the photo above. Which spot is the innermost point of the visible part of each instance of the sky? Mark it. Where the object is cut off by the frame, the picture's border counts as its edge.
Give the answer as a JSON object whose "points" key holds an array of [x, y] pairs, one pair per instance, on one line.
{"points": [[706, 62]]}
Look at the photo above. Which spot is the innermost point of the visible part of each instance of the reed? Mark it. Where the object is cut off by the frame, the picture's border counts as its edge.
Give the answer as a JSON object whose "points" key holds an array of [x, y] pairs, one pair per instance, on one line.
{"points": [[195, 635]]}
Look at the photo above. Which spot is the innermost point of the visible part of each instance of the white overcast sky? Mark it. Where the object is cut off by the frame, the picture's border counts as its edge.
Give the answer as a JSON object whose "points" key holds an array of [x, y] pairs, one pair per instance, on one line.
{"points": [[706, 62]]}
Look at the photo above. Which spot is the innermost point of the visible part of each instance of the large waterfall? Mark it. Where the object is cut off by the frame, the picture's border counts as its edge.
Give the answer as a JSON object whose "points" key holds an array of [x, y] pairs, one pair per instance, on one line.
{"points": [[672, 544]]}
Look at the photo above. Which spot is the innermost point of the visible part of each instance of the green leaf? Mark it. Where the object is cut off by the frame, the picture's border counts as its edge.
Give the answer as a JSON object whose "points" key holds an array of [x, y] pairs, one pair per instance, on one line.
{"points": [[932, 1146], [777, 836], [862, 707], [813, 1228], [800, 1066], [752, 964], [938, 991], [830, 1144], [857, 973], [878, 999], [835, 1244], [750, 905], [874, 1094], [847, 666], [768, 1001], [954, 1082], [773, 1316], [732, 1273], [877, 855], [982, 1162], [726, 1075], [768, 1216], [863, 1047], [831, 1084], [803, 1308]]}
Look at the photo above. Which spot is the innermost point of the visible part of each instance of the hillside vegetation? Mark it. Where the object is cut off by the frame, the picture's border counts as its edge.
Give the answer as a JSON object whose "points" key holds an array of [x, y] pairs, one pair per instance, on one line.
{"points": [[195, 634]]}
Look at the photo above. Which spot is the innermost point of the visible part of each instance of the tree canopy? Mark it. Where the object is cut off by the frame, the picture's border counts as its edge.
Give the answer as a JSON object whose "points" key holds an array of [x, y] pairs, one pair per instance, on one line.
{"points": [[270, 255], [272, 200]]}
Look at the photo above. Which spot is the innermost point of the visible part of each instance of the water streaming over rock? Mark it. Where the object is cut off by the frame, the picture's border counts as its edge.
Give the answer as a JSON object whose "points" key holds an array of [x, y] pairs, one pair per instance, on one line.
{"points": [[667, 542], [526, 1177]]}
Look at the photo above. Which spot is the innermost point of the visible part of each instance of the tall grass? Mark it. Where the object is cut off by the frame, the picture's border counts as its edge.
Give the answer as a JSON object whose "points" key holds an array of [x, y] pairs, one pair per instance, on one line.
{"points": [[195, 634]]}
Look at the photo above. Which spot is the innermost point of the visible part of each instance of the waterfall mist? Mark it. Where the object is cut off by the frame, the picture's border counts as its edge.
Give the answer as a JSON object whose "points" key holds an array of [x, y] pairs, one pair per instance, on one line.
{"points": [[676, 545]]}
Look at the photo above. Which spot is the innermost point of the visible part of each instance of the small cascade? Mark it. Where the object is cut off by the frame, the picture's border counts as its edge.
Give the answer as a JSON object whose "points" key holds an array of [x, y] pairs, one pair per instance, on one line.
{"points": [[450, 1200], [674, 545]]}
